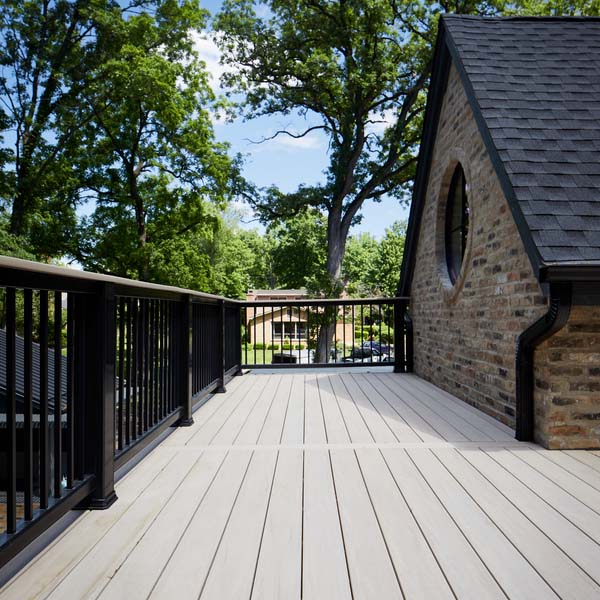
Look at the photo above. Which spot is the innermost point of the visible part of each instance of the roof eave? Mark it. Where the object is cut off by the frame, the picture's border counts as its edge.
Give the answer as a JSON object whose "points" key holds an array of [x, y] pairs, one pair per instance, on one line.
{"points": [[437, 87]]}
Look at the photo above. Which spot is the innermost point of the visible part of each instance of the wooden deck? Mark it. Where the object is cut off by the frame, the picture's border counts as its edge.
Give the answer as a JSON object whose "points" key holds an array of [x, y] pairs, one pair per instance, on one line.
{"points": [[366, 486]]}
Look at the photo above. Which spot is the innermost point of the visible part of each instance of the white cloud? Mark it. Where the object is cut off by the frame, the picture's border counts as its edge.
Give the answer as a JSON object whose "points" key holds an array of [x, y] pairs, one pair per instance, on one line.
{"points": [[312, 141], [209, 53]]}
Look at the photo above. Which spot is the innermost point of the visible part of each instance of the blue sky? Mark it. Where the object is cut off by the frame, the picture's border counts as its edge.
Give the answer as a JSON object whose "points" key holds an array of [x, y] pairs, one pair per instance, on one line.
{"points": [[286, 162]]}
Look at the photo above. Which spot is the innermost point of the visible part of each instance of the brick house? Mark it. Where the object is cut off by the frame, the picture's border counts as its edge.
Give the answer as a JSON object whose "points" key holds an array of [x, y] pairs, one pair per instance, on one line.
{"points": [[502, 260]]}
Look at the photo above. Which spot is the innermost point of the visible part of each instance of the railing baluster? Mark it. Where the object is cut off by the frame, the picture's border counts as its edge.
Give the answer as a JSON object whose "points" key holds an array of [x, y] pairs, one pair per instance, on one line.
{"points": [[128, 373], [70, 433], [44, 454], [135, 395], [121, 395], [57, 394], [145, 368], [11, 412], [28, 401]]}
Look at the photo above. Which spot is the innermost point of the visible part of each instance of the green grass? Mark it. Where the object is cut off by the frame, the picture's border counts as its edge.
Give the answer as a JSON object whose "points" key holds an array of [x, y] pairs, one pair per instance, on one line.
{"points": [[263, 357]]}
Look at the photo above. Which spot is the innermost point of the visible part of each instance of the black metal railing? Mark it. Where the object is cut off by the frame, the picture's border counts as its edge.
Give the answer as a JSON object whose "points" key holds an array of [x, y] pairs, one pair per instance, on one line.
{"points": [[327, 333], [93, 368]]}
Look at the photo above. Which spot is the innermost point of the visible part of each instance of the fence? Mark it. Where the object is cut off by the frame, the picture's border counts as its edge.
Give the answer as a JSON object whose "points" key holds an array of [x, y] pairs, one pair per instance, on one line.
{"points": [[371, 332], [93, 368]]}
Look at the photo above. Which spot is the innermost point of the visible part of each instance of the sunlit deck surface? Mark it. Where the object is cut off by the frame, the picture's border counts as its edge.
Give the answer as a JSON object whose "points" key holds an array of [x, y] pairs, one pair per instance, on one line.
{"points": [[330, 485]]}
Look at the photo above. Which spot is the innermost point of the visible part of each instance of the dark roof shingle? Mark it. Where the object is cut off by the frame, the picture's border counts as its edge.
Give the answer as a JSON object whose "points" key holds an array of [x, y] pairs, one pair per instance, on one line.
{"points": [[537, 84]]}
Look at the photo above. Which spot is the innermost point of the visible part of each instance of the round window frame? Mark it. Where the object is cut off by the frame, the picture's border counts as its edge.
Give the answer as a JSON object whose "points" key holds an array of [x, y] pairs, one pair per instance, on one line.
{"points": [[449, 289]]}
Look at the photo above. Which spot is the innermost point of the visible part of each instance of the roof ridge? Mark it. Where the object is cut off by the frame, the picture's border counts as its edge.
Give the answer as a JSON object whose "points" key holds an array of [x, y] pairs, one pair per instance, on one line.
{"points": [[523, 18]]}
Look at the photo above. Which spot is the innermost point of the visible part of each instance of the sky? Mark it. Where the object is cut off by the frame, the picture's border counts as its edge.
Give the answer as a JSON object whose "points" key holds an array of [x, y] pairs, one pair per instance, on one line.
{"points": [[286, 162]]}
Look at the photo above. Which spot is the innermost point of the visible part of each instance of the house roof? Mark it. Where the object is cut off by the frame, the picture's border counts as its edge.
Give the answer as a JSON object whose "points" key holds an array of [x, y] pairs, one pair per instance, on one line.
{"points": [[35, 376], [533, 85]]}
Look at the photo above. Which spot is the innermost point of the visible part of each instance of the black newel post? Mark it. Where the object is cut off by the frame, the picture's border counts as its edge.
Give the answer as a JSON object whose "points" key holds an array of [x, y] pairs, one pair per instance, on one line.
{"points": [[238, 340], [221, 347], [98, 332], [186, 362], [399, 354]]}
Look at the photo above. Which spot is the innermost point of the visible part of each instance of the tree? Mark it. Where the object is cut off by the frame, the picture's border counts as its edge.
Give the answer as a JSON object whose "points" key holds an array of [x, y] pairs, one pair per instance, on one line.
{"points": [[153, 167], [48, 52], [299, 250], [357, 267], [357, 71], [388, 260]]}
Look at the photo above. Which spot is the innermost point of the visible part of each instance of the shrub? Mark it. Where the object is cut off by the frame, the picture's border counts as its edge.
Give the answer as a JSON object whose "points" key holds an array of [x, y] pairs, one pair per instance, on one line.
{"points": [[273, 347], [299, 347], [260, 346], [287, 347], [386, 333]]}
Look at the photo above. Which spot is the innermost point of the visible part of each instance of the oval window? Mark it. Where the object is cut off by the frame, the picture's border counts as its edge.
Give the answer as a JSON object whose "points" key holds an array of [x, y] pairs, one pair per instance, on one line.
{"points": [[457, 223]]}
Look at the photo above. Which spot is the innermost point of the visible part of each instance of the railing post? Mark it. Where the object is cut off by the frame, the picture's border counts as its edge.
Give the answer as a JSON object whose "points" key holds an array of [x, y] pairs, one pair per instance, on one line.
{"points": [[221, 347], [399, 355], [186, 362], [99, 340], [238, 341]]}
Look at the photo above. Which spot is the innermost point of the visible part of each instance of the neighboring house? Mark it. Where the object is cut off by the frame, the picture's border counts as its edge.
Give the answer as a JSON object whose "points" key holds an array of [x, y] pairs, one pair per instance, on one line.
{"points": [[503, 244], [285, 324]]}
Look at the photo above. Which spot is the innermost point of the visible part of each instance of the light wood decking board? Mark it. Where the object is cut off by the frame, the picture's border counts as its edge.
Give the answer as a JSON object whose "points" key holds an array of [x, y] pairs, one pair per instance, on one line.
{"points": [[336, 485]]}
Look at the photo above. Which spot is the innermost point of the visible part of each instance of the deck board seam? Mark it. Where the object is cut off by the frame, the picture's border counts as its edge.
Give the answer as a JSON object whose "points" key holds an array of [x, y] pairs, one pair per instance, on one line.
{"points": [[194, 512], [81, 558], [238, 405], [412, 396], [417, 523], [337, 506], [403, 401], [278, 383], [564, 489], [337, 401], [546, 456], [224, 400], [152, 521], [387, 548], [533, 491], [459, 412], [224, 403], [343, 383], [233, 504], [456, 524], [539, 528], [358, 381], [262, 532], [500, 529]]}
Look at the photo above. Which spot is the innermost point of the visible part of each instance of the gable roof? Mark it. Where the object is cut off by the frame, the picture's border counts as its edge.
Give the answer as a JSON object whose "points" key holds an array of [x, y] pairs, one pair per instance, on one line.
{"points": [[533, 85]]}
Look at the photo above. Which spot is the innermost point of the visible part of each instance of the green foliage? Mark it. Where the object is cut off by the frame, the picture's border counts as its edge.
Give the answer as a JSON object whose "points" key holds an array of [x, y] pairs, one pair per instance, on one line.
{"points": [[259, 346], [385, 269], [357, 267], [273, 347], [153, 167], [357, 71], [298, 249]]}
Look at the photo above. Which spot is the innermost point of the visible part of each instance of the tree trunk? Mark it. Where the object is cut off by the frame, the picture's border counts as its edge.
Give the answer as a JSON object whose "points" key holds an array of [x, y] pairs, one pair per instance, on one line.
{"points": [[336, 247], [140, 220]]}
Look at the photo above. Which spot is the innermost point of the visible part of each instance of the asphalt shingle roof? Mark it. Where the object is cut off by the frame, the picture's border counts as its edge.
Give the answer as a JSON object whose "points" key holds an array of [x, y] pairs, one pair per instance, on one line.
{"points": [[537, 83]]}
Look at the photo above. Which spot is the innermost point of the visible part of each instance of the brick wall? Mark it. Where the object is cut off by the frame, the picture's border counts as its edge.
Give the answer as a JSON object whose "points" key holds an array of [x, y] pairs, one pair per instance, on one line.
{"points": [[567, 383], [465, 335]]}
